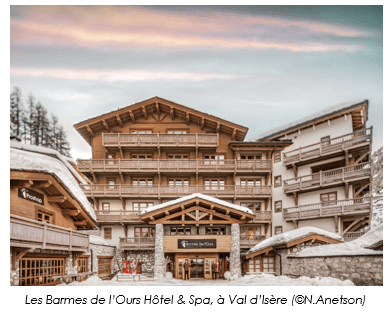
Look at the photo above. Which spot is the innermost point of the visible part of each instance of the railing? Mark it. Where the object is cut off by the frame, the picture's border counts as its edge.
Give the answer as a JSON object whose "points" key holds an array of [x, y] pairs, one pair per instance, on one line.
{"points": [[160, 140], [330, 177], [172, 165], [127, 243], [117, 216], [45, 235], [327, 209], [353, 235], [123, 190], [265, 215], [328, 147], [248, 241]]}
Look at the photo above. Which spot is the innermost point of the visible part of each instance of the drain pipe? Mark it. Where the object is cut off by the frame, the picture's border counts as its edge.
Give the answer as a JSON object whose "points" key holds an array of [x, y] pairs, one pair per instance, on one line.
{"points": [[277, 254], [91, 262]]}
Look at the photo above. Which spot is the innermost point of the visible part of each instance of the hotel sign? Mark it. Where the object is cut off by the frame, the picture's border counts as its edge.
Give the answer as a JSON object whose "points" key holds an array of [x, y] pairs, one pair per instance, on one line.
{"points": [[196, 243], [31, 195]]}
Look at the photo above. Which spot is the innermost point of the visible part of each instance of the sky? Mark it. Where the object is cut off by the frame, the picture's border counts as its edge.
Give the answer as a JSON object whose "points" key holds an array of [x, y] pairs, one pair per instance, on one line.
{"points": [[257, 66]]}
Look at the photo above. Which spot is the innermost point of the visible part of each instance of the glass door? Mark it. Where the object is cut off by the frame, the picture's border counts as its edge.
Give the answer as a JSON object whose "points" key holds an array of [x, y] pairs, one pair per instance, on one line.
{"points": [[197, 268]]}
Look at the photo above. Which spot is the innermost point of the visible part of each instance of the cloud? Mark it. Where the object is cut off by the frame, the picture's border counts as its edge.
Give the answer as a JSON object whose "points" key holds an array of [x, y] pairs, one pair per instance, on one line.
{"points": [[114, 75]]}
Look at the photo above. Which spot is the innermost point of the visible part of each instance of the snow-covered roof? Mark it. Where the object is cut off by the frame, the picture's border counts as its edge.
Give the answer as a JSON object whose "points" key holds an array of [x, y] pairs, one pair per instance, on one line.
{"points": [[199, 195], [285, 238], [352, 248], [97, 240], [25, 157], [307, 119]]}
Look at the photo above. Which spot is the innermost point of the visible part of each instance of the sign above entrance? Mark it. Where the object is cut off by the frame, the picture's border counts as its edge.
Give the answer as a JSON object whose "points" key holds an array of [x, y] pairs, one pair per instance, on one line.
{"points": [[196, 243], [31, 195]]}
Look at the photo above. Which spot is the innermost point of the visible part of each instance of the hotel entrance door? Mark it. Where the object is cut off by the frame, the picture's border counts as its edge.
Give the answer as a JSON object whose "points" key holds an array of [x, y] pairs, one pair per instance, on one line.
{"points": [[197, 268]]}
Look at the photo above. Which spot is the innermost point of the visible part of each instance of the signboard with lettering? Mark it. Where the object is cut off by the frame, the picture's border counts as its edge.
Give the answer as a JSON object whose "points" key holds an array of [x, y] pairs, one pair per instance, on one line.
{"points": [[31, 195], [196, 243]]}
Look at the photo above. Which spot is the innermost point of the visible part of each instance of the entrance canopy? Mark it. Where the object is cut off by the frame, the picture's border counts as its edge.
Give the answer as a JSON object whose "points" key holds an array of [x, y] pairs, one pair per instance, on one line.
{"points": [[197, 209]]}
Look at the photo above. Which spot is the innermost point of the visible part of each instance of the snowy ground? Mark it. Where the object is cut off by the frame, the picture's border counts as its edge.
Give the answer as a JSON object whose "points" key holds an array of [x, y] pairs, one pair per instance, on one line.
{"points": [[248, 280]]}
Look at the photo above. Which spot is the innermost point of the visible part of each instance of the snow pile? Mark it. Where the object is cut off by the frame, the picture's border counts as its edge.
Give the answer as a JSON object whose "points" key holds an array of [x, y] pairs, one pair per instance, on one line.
{"points": [[352, 248], [284, 238], [248, 280], [25, 157], [97, 240], [201, 196]]}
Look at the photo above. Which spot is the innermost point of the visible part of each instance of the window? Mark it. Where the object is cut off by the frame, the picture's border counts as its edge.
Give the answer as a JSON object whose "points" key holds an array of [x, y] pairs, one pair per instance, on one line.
{"points": [[213, 159], [268, 264], [277, 156], [44, 216], [177, 131], [326, 198], [277, 206], [141, 156], [180, 156], [107, 233], [141, 131], [215, 230], [250, 157], [178, 182], [140, 206], [142, 182], [110, 157], [254, 265], [38, 271], [325, 141], [145, 233], [179, 230], [277, 181], [254, 206], [82, 267], [250, 182], [214, 184], [250, 232], [106, 207], [111, 183], [277, 230]]}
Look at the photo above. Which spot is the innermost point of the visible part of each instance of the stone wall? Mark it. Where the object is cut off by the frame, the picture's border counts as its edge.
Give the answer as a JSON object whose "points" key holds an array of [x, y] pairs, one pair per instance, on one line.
{"points": [[146, 257], [105, 250], [235, 251], [159, 267]]}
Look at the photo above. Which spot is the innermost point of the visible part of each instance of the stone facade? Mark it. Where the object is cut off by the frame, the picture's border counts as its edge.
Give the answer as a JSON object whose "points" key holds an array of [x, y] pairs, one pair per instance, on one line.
{"points": [[235, 266], [159, 268], [146, 257], [105, 250]]}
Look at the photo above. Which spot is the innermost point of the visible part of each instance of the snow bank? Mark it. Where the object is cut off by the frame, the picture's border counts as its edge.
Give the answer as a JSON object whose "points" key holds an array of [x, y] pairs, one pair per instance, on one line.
{"points": [[352, 248], [284, 238], [97, 240], [25, 157], [199, 195]]}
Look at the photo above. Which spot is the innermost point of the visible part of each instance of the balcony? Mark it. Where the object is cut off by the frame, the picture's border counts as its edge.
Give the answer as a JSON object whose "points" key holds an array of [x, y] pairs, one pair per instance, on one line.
{"points": [[172, 165], [165, 191], [160, 140], [328, 178], [331, 148], [117, 216], [137, 243], [262, 216], [250, 241], [358, 206], [29, 233]]}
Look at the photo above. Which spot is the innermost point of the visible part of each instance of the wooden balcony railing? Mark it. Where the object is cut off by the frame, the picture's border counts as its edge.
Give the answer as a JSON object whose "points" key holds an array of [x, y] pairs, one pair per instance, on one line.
{"points": [[333, 208], [157, 191], [131, 243], [173, 165], [117, 216], [160, 140], [324, 148], [248, 241], [327, 178], [353, 235], [27, 232], [263, 216]]}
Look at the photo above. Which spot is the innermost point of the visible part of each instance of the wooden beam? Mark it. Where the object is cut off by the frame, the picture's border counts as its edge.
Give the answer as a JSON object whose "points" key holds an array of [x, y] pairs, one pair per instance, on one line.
{"points": [[233, 134], [243, 217], [121, 176], [56, 199], [167, 213], [44, 184], [132, 116], [157, 107], [296, 224], [296, 199], [21, 183], [187, 118], [89, 129], [123, 203], [346, 188], [202, 123], [336, 223], [106, 125], [69, 211], [172, 113], [80, 223], [217, 127], [144, 112], [361, 157], [18, 253], [215, 222], [352, 225], [119, 120], [361, 189], [295, 170], [357, 226]]}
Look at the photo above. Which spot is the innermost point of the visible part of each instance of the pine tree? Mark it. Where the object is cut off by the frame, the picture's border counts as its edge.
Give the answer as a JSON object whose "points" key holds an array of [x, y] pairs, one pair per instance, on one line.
{"points": [[17, 113], [63, 145]]}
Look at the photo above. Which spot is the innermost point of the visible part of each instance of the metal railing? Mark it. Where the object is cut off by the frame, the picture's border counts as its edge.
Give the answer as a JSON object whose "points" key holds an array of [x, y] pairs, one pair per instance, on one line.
{"points": [[173, 165], [326, 209], [330, 146], [124, 190], [330, 177], [160, 140], [45, 235]]}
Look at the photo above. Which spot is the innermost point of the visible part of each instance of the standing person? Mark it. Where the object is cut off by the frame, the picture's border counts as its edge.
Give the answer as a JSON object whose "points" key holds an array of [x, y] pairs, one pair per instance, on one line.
{"points": [[214, 270], [186, 269]]}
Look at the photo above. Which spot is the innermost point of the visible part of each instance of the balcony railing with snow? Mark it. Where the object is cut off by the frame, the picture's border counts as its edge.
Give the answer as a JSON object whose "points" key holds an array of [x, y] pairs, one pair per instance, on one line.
{"points": [[353, 140]]}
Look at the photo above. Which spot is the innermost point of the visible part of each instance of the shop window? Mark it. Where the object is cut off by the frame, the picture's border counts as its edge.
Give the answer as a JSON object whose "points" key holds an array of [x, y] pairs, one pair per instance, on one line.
{"points": [[140, 206], [326, 198], [277, 156], [179, 230], [214, 184], [277, 230], [38, 271], [277, 206], [142, 182], [214, 160], [215, 230], [178, 182], [107, 233], [277, 181], [250, 182]]}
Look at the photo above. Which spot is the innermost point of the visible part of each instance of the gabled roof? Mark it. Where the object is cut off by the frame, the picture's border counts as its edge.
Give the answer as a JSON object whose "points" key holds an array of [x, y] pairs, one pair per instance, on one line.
{"points": [[359, 109], [88, 127]]}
